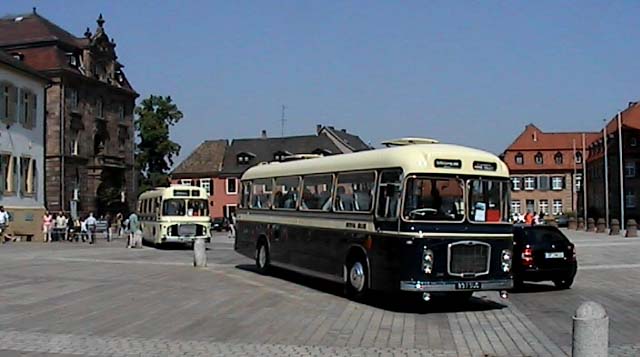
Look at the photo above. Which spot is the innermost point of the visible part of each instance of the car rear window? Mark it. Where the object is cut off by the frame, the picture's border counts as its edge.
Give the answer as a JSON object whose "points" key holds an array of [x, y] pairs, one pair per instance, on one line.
{"points": [[534, 236]]}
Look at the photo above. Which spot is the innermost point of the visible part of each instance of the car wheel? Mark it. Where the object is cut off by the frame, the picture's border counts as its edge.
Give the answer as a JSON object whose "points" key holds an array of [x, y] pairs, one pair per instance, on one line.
{"points": [[563, 283], [262, 258], [357, 273]]}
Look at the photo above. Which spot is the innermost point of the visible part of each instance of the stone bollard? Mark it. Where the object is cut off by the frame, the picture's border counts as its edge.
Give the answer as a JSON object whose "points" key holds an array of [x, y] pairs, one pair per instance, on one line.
{"points": [[590, 331], [591, 225], [580, 223], [199, 253], [632, 228], [572, 224], [601, 225], [615, 227]]}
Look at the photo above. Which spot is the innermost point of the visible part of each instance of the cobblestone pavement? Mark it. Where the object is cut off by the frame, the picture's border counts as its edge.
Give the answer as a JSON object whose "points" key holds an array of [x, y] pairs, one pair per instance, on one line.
{"points": [[68, 299]]}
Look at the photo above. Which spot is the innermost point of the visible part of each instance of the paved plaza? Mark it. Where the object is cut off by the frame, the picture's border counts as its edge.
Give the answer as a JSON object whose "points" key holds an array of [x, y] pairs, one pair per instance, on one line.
{"points": [[66, 299]]}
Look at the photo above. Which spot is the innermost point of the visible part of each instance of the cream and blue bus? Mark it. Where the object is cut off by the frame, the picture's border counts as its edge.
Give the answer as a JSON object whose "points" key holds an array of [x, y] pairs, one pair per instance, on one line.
{"points": [[418, 216], [175, 214]]}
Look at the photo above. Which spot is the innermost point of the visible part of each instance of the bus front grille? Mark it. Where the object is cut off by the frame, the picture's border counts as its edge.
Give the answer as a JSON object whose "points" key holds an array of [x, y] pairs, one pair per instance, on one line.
{"points": [[469, 258]]}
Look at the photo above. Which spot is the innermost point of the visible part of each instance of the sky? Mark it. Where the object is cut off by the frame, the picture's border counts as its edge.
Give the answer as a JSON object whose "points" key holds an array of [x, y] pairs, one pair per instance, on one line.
{"points": [[465, 72]]}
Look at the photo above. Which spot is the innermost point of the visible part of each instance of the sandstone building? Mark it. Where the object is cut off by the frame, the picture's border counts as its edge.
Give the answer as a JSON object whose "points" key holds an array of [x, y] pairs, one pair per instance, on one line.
{"points": [[89, 108]]}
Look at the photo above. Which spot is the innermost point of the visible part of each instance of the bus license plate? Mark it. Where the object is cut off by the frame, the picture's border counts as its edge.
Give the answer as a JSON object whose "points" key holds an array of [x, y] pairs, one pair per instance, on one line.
{"points": [[468, 285]]}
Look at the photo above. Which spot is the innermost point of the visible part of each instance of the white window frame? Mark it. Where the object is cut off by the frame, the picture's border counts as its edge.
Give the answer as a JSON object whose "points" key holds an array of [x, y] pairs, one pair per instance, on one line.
{"points": [[556, 183], [578, 158], [75, 143], [226, 186], [516, 183], [557, 208], [186, 182], [543, 206], [539, 158], [629, 169], [226, 209], [519, 156], [205, 183], [516, 206], [529, 183], [578, 182]]}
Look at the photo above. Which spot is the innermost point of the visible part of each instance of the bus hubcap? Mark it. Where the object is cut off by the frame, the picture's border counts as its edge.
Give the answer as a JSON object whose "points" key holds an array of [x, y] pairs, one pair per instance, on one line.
{"points": [[356, 276], [262, 256]]}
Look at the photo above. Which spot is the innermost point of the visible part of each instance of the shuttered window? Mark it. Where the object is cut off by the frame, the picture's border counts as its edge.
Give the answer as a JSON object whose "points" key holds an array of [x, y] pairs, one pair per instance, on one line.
{"points": [[8, 102]]}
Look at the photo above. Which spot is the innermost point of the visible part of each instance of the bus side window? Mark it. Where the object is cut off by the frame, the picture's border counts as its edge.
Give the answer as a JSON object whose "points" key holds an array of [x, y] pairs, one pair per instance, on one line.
{"points": [[389, 194], [286, 192], [354, 191], [261, 193], [246, 193], [316, 192]]}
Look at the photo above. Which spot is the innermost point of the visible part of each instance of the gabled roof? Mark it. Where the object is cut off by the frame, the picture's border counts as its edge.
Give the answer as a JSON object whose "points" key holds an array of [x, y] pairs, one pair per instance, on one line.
{"points": [[206, 159], [630, 118], [16, 64], [265, 148], [353, 142], [32, 28], [533, 138]]}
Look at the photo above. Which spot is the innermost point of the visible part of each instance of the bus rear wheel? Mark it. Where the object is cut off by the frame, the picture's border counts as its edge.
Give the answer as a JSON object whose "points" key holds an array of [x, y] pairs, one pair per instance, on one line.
{"points": [[262, 258], [356, 282]]}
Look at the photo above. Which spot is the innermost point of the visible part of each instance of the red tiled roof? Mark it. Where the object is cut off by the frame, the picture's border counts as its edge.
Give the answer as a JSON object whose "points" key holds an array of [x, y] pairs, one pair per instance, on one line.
{"points": [[19, 65], [206, 159], [630, 118], [30, 28]]}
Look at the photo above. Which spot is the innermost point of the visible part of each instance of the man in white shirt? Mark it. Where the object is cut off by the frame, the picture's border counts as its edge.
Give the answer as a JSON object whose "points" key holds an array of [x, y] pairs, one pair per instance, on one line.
{"points": [[4, 222], [90, 222]]}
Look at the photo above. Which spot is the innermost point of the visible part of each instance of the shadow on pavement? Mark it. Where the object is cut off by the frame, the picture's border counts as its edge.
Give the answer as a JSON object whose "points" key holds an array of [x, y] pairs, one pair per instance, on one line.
{"points": [[403, 302], [528, 288]]}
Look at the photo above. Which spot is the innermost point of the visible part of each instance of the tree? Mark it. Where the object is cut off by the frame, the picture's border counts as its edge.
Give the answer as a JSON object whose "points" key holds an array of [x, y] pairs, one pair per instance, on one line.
{"points": [[155, 150]]}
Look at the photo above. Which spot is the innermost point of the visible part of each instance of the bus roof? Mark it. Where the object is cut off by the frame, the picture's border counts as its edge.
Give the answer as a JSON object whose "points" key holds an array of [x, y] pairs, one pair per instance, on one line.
{"points": [[160, 191], [413, 159]]}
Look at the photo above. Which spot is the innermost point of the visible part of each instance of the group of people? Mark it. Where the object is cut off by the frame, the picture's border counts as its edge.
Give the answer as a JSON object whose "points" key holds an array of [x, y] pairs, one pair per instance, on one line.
{"points": [[528, 218], [85, 229]]}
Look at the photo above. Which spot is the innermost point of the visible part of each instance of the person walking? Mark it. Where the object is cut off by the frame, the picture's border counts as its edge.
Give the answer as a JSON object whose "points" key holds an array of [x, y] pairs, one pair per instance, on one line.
{"points": [[90, 222], [134, 230], [232, 226], [47, 226], [4, 223], [84, 233]]}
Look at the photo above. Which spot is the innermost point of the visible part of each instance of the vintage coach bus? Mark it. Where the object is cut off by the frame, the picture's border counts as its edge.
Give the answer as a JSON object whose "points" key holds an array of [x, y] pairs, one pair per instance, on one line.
{"points": [[419, 216], [175, 214]]}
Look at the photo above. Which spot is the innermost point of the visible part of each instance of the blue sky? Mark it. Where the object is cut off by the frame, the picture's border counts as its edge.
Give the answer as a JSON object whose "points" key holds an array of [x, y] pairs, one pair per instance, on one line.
{"points": [[466, 72]]}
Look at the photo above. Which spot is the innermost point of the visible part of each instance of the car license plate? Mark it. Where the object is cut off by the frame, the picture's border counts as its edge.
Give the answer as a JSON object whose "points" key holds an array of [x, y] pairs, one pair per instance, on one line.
{"points": [[553, 255], [468, 285]]}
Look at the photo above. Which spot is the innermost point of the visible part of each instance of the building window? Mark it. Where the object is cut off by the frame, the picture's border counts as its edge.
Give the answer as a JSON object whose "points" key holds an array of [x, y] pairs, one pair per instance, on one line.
{"points": [[232, 188], [538, 158], [6, 101], [515, 206], [531, 205], [633, 142], [10, 171], [557, 183], [32, 177], [557, 207], [99, 108], [630, 198], [578, 157], [73, 98], [557, 158], [543, 183], [630, 169], [75, 143], [578, 182], [206, 185], [244, 158], [515, 183], [529, 183], [544, 206], [25, 110], [121, 112], [186, 182], [519, 158]]}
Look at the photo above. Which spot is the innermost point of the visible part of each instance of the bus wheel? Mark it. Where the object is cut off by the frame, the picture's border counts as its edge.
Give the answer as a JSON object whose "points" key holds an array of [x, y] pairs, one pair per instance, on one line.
{"points": [[356, 284], [262, 257]]}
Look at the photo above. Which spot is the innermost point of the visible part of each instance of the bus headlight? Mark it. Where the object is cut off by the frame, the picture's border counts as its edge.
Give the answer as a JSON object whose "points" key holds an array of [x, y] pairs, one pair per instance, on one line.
{"points": [[427, 260], [506, 258], [169, 231]]}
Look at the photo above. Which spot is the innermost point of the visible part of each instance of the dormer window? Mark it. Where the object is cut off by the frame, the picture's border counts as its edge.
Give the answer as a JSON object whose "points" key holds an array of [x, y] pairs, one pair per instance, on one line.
{"points": [[73, 60], [322, 152], [519, 158], [558, 158], [579, 157], [538, 158], [244, 158], [280, 155]]}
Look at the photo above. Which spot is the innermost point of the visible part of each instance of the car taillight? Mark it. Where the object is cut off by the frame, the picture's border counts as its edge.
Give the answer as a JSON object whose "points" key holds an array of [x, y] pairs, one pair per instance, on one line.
{"points": [[527, 256], [573, 252]]}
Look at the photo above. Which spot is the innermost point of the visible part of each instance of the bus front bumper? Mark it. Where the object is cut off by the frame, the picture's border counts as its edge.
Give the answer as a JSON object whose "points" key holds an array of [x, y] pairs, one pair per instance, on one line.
{"points": [[437, 286], [175, 239]]}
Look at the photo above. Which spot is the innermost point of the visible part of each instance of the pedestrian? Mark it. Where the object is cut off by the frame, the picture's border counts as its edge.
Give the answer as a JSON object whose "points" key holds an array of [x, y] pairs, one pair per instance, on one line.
{"points": [[77, 229], [47, 226], [134, 231], [4, 223], [119, 224], [91, 227], [528, 218], [83, 230], [536, 218]]}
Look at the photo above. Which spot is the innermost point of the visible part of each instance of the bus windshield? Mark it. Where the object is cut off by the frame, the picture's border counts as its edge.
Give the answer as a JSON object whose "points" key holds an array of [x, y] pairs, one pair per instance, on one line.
{"points": [[182, 207], [434, 199], [488, 200]]}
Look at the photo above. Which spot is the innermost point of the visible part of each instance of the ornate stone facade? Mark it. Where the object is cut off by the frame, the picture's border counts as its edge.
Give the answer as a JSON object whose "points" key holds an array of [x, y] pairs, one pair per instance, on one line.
{"points": [[90, 104]]}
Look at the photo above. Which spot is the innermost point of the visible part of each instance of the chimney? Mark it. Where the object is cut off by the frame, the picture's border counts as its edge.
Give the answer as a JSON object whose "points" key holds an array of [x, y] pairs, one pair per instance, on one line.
{"points": [[332, 128], [318, 128], [343, 130], [264, 134], [632, 104]]}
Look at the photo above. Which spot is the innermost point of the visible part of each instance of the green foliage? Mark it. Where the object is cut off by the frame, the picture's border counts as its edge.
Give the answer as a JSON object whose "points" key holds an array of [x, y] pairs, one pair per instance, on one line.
{"points": [[155, 150]]}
